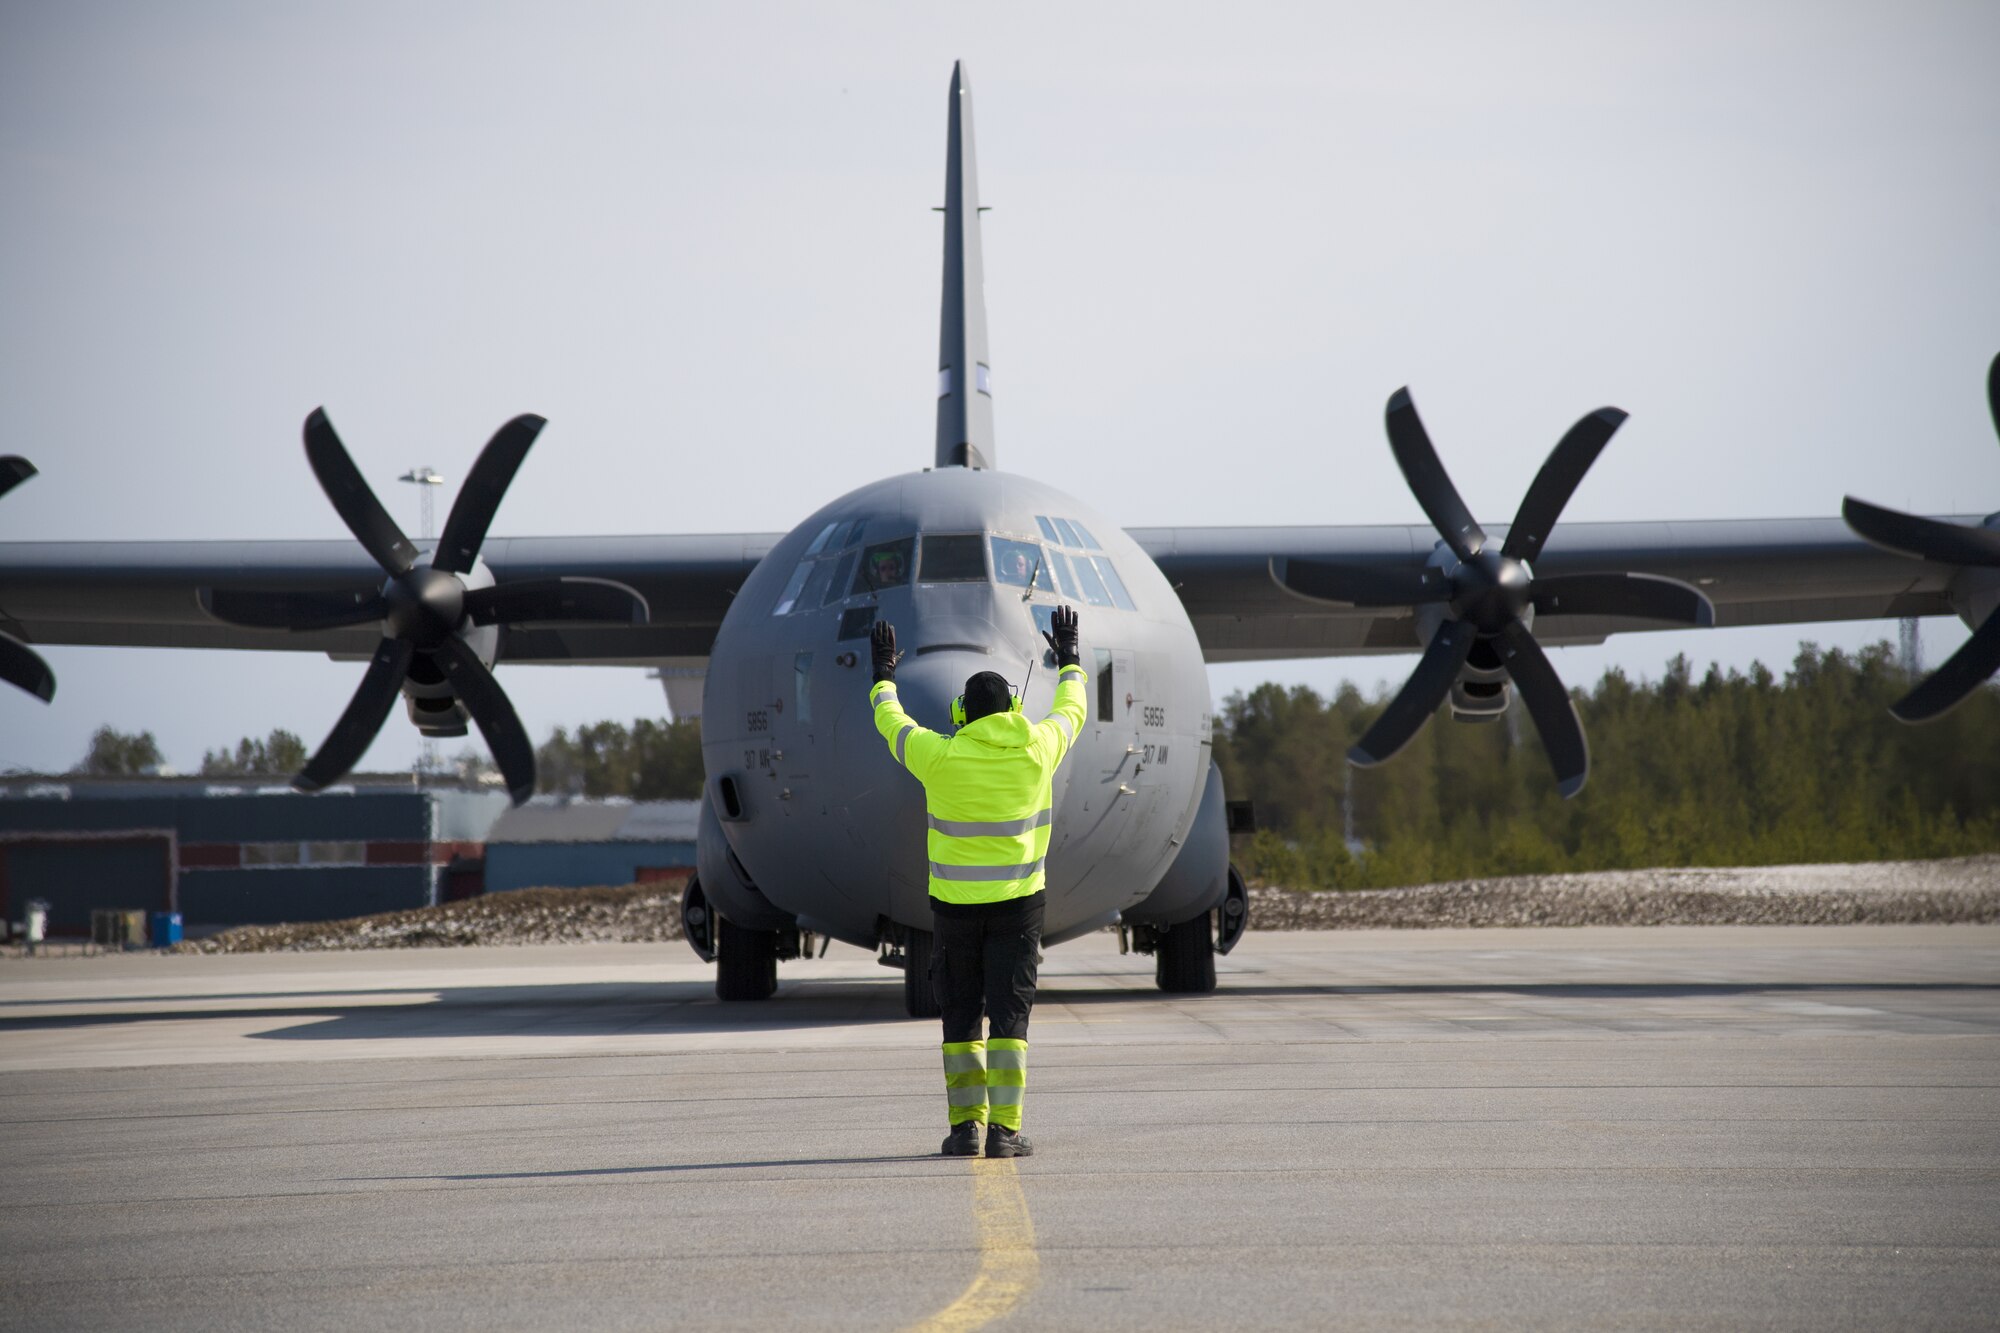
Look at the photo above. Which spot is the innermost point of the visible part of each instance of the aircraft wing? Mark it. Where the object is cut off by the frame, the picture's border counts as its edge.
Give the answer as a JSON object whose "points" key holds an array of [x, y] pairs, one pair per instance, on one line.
{"points": [[145, 594], [1755, 571]]}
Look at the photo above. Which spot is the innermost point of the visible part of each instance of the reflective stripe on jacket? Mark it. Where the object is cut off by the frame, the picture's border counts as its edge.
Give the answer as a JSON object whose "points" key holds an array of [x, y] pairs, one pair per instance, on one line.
{"points": [[989, 790]]}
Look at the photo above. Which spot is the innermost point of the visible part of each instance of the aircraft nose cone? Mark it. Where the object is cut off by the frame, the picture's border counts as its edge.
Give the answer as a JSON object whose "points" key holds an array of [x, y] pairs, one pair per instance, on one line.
{"points": [[933, 672]]}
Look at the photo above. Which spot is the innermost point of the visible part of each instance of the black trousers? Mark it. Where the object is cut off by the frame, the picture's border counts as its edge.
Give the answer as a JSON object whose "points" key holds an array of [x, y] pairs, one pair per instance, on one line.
{"points": [[983, 963]]}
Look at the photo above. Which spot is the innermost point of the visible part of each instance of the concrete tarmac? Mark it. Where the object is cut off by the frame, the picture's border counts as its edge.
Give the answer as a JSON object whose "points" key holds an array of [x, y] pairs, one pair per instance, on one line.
{"points": [[1712, 1127]]}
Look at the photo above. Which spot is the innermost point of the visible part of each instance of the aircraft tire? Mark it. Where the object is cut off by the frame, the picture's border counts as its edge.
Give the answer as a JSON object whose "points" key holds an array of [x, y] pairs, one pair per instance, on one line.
{"points": [[920, 997], [746, 962], [1184, 962]]}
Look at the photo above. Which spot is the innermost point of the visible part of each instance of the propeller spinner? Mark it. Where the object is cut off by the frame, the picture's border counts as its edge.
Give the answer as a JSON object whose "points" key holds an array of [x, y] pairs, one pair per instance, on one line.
{"points": [[1945, 544], [19, 664], [1489, 596], [430, 608]]}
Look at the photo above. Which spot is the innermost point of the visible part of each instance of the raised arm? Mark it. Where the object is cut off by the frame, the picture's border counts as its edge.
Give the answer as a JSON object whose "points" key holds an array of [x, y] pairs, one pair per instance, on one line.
{"points": [[915, 747], [1059, 729]]}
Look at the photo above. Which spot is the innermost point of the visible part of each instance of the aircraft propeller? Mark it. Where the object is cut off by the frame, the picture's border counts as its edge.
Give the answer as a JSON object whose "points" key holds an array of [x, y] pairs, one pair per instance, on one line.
{"points": [[430, 607], [1490, 596], [1945, 544], [19, 664]]}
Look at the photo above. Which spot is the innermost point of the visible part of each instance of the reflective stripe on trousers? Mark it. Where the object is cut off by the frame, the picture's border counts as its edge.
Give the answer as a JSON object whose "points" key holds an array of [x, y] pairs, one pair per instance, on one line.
{"points": [[1006, 1080], [965, 1080]]}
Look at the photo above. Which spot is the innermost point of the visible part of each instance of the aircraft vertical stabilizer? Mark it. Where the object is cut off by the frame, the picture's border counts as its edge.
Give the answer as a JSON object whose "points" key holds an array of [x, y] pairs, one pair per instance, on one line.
{"points": [[965, 385]]}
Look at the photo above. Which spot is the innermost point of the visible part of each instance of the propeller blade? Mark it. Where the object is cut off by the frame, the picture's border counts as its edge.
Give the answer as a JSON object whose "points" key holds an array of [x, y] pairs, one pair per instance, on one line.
{"points": [[572, 599], [1418, 699], [1641, 596], [352, 500], [1993, 390], [295, 611], [1362, 585], [498, 723], [366, 712], [1428, 480], [1549, 705], [23, 666], [1951, 684], [1561, 473], [1926, 538], [485, 486], [14, 470]]}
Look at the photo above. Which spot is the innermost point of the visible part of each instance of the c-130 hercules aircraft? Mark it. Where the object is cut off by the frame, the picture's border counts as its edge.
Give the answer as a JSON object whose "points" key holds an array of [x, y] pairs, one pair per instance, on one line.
{"points": [[808, 826]]}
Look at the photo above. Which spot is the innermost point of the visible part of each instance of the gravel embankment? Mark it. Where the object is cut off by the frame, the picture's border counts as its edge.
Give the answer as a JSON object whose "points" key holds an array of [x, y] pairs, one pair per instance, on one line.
{"points": [[1874, 893], [634, 914], [1870, 893]]}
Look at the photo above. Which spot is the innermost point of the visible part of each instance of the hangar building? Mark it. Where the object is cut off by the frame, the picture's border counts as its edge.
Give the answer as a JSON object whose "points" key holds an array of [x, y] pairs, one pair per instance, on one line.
{"points": [[226, 853], [591, 844]]}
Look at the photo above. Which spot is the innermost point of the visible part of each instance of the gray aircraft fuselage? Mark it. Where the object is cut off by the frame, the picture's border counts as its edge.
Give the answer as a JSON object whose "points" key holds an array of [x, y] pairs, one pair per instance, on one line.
{"points": [[827, 824]]}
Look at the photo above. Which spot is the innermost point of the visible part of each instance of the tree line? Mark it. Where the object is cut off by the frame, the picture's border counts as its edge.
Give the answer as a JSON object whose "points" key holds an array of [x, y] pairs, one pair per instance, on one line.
{"points": [[1729, 769], [1733, 768]]}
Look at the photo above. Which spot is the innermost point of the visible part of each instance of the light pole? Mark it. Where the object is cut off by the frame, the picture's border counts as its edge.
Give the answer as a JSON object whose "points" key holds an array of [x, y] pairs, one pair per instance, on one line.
{"points": [[424, 479]]}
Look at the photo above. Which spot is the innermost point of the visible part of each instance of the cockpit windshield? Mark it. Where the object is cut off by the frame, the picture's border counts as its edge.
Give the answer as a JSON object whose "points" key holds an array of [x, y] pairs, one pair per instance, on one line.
{"points": [[835, 567], [952, 559]]}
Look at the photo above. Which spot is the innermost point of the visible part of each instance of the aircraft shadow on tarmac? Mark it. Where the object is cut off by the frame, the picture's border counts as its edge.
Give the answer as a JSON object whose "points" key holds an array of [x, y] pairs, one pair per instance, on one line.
{"points": [[624, 1008]]}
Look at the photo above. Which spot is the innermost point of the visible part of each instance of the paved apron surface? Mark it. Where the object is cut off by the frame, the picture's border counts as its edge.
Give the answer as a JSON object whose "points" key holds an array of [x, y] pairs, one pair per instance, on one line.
{"points": [[1711, 1127]]}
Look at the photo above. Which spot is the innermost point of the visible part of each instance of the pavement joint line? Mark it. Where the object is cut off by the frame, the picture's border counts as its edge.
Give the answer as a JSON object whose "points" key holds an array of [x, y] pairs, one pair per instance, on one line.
{"points": [[1009, 1267]]}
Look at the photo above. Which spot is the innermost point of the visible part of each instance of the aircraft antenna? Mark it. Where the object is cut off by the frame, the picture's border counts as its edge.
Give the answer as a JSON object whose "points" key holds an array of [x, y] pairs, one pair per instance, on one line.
{"points": [[965, 375]]}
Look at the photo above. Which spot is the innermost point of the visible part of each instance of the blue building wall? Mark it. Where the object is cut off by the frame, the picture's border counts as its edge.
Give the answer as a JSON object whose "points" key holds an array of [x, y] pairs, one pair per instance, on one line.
{"points": [[267, 897], [576, 865], [381, 848]]}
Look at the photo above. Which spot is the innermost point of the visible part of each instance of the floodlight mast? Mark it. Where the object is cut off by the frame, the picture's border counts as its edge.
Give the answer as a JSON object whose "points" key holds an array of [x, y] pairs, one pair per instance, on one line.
{"points": [[426, 480]]}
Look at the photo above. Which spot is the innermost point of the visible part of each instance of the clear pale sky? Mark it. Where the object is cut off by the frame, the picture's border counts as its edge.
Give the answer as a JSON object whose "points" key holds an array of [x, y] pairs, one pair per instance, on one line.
{"points": [[698, 238]]}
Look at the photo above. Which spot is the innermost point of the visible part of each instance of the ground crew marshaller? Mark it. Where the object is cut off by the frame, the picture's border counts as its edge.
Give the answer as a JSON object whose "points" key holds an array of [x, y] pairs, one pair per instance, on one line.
{"points": [[990, 796]]}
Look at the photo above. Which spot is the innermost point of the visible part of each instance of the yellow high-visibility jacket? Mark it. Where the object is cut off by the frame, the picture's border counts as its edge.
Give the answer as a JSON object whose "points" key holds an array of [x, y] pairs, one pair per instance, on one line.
{"points": [[989, 790]]}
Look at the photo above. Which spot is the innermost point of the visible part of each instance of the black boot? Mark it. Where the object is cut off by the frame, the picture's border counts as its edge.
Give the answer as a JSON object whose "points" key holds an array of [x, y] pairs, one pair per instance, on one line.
{"points": [[963, 1141], [1004, 1142]]}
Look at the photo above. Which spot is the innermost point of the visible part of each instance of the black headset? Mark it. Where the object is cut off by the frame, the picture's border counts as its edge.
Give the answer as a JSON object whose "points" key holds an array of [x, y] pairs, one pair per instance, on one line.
{"points": [[958, 706]]}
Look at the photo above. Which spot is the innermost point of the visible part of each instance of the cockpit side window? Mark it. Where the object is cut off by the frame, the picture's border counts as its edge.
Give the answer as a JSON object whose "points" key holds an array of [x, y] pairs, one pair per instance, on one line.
{"points": [[885, 565], [1061, 563], [825, 535], [843, 572], [1017, 562], [952, 559], [821, 577], [790, 596], [1094, 590], [1115, 585]]}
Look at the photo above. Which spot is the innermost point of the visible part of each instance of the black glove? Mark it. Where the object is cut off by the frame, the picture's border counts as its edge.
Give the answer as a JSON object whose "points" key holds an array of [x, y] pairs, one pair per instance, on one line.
{"points": [[883, 642], [1062, 636]]}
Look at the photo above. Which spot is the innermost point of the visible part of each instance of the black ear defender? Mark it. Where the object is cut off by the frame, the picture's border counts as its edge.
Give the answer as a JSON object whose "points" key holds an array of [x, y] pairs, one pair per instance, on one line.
{"points": [[958, 708]]}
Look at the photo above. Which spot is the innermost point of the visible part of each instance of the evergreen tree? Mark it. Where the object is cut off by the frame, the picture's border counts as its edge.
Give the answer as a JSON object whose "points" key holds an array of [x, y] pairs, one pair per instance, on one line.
{"points": [[115, 753], [278, 754], [648, 761], [1728, 769]]}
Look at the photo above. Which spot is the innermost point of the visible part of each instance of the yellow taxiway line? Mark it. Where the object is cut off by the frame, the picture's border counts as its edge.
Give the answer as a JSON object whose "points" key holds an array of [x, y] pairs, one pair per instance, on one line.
{"points": [[1009, 1268]]}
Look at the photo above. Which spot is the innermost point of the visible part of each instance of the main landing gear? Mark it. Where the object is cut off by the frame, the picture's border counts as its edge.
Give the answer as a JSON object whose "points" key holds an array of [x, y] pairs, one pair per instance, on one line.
{"points": [[746, 962], [1184, 953], [911, 950]]}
